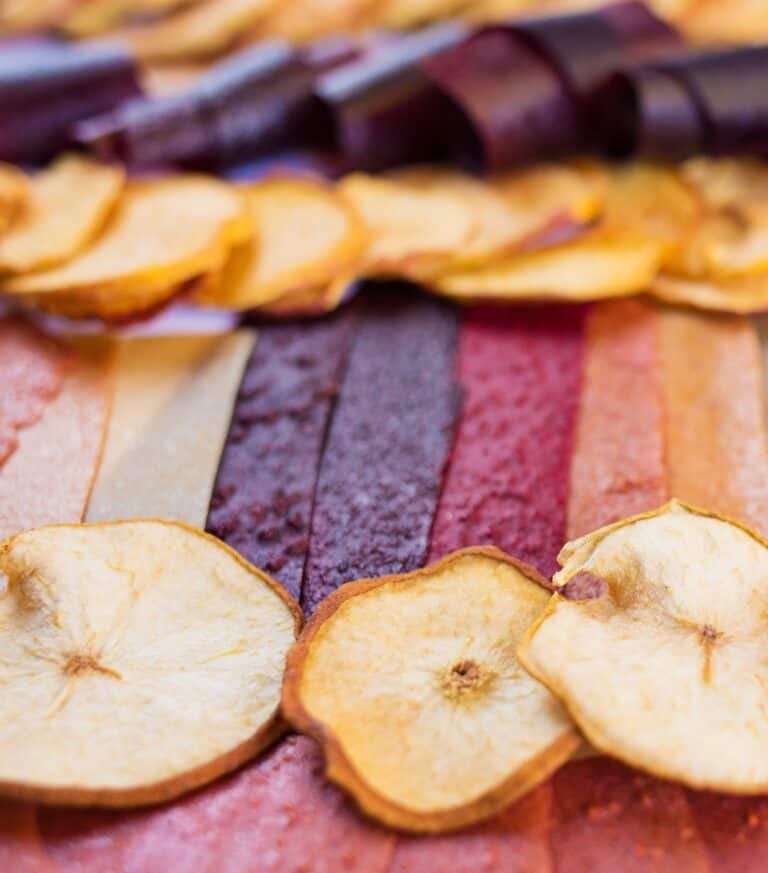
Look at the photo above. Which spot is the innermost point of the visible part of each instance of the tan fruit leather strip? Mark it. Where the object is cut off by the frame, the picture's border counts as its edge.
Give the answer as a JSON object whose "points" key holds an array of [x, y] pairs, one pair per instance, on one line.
{"points": [[714, 420], [617, 466], [21, 850], [48, 478], [173, 404]]}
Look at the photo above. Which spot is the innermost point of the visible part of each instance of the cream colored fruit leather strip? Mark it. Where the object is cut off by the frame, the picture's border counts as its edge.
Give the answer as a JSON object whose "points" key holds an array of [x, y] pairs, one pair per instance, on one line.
{"points": [[173, 404], [48, 478]]}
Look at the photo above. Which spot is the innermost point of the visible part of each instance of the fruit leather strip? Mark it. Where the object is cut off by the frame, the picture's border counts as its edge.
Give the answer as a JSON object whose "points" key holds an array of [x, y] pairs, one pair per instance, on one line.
{"points": [[276, 815], [507, 481], [383, 110], [517, 841], [610, 818], [617, 468], [734, 831], [263, 497], [45, 89], [21, 850], [171, 412], [387, 445], [48, 478], [32, 368], [713, 400]]}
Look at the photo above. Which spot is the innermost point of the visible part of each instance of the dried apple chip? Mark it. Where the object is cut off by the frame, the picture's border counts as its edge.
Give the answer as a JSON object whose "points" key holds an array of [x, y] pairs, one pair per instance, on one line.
{"points": [[138, 660], [749, 294], [14, 191], [68, 204], [412, 685], [305, 235], [589, 268], [664, 666], [163, 233], [412, 229]]}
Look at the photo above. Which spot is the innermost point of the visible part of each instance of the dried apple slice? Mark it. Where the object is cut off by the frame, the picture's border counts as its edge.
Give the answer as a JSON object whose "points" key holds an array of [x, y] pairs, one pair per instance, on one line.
{"points": [[305, 235], [138, 659], [163, 233], [68, 204], [592, 267], [664, 667], [14, 192], [749, 294], [412, 229], [412, 685]]}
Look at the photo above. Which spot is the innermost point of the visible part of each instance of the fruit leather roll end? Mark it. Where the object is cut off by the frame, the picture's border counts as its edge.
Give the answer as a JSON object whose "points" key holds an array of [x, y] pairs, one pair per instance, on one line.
{"points": [[46, 88]]}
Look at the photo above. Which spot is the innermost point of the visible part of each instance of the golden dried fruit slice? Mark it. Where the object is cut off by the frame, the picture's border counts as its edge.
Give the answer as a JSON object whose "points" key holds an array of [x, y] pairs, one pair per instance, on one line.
{"points": [[68, 205], [14, 192], [163, 233], [305, 235], [138, 660], [307, 20], [89, 17], [198, 32], [413, 230], [589, 268], [412, 685], [665, 667], [398, 14], [746, 295], [310, 301]]}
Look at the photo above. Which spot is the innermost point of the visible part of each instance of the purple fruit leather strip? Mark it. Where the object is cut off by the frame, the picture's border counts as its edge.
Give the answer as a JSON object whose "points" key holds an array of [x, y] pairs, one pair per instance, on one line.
{"points": [[264, 491], [387, 445]]}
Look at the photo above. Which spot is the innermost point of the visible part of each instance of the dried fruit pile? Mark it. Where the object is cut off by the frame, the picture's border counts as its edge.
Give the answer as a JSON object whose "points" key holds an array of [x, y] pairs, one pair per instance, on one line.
{"points": [[193, 29], [697, 234]]}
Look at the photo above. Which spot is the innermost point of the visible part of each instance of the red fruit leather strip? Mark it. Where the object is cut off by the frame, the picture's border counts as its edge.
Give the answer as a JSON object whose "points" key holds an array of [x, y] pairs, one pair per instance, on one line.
{"points": [[513, 842], [275, 816], [520, 369], [715, 432], [21, 850], [617, 469], [609, 818], [717, 459], [387, 446], [31, 373], [262, 500]]}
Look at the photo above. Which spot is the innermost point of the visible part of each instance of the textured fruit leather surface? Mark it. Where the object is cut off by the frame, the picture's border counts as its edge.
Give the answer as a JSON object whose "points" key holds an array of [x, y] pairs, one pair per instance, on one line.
{"points": [[519, 427]]}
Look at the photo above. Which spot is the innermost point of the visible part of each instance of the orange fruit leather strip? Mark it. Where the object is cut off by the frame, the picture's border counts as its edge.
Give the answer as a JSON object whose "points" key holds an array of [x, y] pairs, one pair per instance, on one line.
{"points": [[716, 458], [49, 476], [715, 433], [608, 817], [617, 466]]}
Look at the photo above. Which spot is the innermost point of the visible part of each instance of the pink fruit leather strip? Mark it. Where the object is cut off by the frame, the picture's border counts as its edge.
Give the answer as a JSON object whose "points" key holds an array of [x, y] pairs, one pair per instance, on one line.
{"points": [[275, 816], [387, 446], [617, 469], [508, 475], [263, 496]]}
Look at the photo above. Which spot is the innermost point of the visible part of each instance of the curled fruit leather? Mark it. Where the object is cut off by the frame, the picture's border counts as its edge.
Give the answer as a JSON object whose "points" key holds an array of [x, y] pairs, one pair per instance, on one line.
{"points": [[256, 102], [46, 87], [524, 88], [715, 102]]}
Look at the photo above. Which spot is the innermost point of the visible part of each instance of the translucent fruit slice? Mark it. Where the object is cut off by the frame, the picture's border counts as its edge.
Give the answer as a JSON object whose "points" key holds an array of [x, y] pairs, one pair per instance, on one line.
{"points": [[14, 191], [591, 267], [138, 659], [664, 665], [413, 229], [163, 233], [68, 205], [305, 236], [412, 685], [745, 295]]}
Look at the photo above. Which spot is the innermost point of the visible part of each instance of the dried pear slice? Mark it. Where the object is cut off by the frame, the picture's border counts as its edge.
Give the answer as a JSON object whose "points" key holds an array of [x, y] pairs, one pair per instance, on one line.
{"points": [[68, 204], [138, 660], [14, 192], [162, 234], [665, 668], [591, 267], [305, 235], [749, 294], [412, 685], [412, 229]]}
